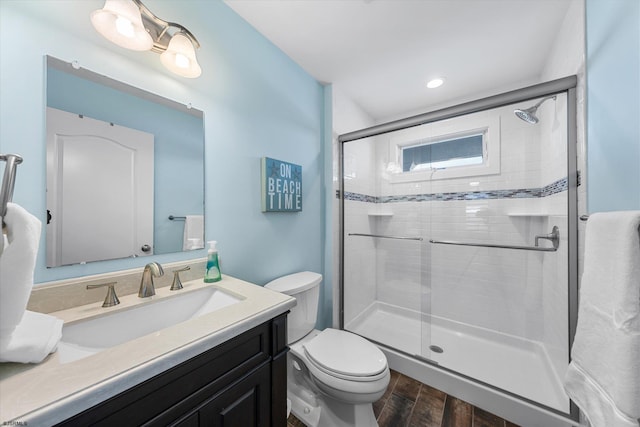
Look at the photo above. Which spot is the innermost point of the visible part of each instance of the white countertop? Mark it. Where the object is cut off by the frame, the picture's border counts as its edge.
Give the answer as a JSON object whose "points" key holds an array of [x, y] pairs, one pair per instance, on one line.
{"points": [[50, 392]]}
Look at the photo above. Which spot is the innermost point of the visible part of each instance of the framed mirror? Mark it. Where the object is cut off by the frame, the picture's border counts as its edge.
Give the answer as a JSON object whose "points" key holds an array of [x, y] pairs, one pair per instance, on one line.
{"points": [[125, 169]]}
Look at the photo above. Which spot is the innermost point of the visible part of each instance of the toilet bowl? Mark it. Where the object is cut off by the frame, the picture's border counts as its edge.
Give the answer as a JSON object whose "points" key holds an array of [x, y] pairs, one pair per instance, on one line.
{"points": [[333, 376]]}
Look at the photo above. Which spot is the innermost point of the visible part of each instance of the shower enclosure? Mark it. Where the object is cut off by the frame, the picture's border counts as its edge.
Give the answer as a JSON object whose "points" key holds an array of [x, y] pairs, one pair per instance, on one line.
{"points": [[458, 243]]}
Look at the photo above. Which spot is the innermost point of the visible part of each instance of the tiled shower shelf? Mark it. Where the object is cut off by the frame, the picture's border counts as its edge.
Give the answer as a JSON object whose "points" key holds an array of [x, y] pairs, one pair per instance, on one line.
{"points": [[380, 214], [533, 214]]}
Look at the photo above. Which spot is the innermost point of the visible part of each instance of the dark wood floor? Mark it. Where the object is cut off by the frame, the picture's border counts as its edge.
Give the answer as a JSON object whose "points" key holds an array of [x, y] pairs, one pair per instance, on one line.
{"points": [[409, 403]]}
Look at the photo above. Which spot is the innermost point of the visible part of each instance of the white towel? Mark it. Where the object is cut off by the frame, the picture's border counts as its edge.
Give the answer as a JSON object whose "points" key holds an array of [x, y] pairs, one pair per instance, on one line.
{"points": [[193, 232], [603, 378], [33, 339], [17, 264]]}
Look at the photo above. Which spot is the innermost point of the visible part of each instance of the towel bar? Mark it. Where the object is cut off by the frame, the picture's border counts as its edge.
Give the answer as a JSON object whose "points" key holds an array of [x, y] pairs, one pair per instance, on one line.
{"points": [[385, 237], [8, 180], [554, 237], [488, 245]]}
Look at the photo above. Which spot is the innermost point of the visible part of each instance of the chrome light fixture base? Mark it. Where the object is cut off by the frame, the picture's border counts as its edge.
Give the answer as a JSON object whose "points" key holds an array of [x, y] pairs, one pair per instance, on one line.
{"points": [[158, 29], [130, 24]]}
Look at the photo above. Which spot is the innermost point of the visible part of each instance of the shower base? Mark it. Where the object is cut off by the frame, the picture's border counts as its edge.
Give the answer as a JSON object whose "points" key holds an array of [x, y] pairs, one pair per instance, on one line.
{"points": [[513, 364]]}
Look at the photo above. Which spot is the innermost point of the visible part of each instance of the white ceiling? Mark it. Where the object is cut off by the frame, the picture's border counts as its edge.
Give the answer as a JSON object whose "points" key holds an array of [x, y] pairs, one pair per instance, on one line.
{"points": [[381, 53]]}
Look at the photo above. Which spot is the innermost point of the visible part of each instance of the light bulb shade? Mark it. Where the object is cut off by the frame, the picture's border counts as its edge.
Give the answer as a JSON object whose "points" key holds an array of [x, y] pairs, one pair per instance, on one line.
{"points": [[180, 57], [120, 22]]}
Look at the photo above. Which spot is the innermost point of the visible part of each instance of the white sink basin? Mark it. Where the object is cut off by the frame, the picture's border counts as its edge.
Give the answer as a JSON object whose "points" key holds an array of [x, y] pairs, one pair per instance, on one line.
{"points": [[88, 337]]}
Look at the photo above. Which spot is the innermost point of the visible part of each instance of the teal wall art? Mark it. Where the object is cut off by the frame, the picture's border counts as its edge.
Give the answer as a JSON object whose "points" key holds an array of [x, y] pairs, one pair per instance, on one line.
{"points": [[281, 186]]}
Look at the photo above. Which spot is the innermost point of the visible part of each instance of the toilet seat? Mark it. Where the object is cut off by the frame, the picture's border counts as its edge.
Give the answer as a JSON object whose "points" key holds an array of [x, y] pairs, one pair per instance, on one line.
{"points": [[345, 355]]}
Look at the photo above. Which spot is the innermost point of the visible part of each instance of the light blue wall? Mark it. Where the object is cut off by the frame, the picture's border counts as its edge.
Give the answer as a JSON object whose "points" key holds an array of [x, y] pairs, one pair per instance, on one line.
{"points": [[178, 146], [256, 103], [613, 105]]}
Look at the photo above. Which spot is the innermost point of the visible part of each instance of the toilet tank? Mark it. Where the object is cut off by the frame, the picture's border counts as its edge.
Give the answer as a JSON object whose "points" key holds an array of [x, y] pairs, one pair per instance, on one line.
{"points": [[305, 288]]}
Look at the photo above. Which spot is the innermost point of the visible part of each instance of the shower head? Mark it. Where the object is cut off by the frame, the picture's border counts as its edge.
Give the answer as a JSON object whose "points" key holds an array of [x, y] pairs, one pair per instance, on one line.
{"points": [[529, 114]]}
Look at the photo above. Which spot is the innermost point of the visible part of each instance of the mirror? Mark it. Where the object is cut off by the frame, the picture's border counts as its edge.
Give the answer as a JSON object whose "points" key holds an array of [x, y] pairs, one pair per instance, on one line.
{"points": [[125, 170]]}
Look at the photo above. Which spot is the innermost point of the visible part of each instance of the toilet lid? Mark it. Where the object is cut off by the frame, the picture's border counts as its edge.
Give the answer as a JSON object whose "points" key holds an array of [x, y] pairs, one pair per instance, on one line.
{"points": [[345, 353]]}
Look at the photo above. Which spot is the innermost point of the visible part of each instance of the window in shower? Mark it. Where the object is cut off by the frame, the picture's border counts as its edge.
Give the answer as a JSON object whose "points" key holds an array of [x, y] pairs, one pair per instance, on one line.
{"points": [[440, 154], [454, 148]]}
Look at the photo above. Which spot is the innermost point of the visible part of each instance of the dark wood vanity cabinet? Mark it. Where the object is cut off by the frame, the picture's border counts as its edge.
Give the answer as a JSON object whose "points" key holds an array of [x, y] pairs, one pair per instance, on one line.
{"points": [[240, 383]]}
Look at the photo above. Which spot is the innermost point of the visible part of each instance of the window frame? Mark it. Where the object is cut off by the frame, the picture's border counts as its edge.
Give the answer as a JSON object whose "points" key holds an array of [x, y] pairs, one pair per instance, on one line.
{"points": [[425, 143], [431, 133]]}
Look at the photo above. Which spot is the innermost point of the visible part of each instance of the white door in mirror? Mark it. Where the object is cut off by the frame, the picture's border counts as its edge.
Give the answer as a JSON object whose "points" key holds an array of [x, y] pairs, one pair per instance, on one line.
{"points": [[96, 212]]}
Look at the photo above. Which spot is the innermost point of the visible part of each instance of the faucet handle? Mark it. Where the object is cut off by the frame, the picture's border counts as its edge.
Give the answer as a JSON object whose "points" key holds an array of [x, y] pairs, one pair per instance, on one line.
{"points": [[111, 299], [177, 284]]}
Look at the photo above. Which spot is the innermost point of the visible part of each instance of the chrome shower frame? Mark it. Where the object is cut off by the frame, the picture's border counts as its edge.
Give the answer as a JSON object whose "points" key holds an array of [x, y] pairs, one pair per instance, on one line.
{"points": [[547, 90]]}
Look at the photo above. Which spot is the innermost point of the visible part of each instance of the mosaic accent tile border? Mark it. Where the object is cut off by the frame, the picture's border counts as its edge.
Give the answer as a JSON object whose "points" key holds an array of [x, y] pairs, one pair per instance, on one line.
{"points": [[360, 197], [521, 193]]}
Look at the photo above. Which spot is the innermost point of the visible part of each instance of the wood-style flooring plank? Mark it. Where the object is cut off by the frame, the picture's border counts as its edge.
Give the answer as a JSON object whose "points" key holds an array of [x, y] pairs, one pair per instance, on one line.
{"points": [[457, 413], [407, 388], [396, 412], [429, 408], [482, 418]]}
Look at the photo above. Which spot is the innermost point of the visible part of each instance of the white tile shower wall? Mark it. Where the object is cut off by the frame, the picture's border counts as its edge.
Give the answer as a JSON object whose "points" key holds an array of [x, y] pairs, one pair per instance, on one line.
{"points": [[489, 287], [402, 264], [499, 289], [555, 297], [552, 143], [494, 288], [359, 260]]}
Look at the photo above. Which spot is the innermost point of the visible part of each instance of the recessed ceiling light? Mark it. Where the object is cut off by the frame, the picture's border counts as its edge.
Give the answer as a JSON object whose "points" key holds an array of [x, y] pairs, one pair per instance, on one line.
{"points": [[435, 83]]}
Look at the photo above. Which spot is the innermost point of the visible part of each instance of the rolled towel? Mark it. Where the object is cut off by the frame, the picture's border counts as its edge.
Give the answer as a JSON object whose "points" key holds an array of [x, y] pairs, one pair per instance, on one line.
{"points": [[33, 339], [17, 264]]}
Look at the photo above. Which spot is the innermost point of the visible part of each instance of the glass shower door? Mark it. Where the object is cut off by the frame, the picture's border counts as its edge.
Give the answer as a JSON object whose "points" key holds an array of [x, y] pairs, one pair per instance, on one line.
{"points": [[498, 270]]}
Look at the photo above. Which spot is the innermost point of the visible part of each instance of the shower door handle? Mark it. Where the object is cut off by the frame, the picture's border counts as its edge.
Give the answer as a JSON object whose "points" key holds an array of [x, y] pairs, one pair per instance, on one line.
{"points": [[554, 237]]}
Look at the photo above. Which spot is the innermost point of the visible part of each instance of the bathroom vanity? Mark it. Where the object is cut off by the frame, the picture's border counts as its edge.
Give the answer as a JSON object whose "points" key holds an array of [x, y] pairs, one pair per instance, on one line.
{"points": [[223, 368], [241, 382]]}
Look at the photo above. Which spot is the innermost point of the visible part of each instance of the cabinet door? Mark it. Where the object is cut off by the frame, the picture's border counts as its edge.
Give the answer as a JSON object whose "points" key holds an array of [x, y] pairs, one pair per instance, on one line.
{"points": [[246, 404]]}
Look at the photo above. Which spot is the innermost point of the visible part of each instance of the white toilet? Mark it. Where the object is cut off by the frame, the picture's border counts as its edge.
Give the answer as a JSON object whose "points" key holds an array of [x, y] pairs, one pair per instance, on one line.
{"points": [[333, 376]]}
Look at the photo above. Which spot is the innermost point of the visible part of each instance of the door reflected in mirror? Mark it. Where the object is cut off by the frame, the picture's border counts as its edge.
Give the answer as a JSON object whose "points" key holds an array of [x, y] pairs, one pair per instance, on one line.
{"points": [[125, 170]]}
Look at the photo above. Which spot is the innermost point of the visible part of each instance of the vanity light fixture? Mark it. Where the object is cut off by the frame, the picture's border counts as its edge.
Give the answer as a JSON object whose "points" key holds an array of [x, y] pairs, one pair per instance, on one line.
{"points": [[130, 24]]}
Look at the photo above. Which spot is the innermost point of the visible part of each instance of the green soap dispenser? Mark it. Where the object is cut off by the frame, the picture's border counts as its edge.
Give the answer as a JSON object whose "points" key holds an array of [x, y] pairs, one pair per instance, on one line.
{"points": [[212, 274]]}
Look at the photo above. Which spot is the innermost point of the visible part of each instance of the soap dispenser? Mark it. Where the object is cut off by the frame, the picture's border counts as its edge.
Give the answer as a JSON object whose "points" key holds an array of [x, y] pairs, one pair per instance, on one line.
{"points": [[212, 274]]}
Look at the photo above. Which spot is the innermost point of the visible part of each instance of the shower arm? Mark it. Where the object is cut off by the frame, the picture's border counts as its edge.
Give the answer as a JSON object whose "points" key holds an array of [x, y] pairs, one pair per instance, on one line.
{"points": [[539, 103]]}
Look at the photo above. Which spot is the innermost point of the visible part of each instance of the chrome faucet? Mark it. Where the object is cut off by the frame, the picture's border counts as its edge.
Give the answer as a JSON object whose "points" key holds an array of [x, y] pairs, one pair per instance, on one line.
{"points": [[151, 270]]}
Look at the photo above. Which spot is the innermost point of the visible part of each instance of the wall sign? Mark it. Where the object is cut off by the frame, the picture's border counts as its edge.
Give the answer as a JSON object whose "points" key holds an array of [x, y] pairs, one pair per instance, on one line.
{"points": [[281, 186]]}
